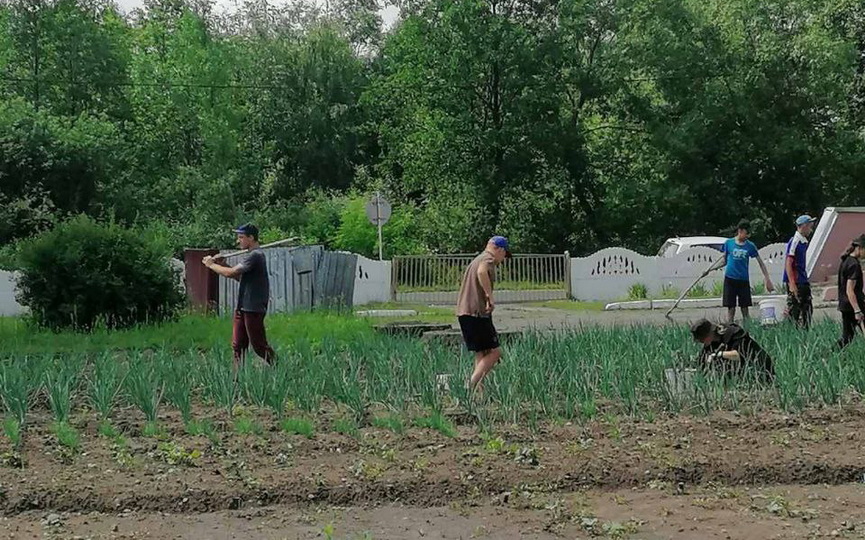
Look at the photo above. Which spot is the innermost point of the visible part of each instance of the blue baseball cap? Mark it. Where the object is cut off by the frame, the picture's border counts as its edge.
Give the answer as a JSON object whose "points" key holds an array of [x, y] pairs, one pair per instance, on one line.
{"points": [[501, 242], [801, 220], [248, 229]]}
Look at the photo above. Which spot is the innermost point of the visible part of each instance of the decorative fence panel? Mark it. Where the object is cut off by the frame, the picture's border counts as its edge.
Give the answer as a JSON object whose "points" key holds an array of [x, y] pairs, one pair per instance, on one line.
{"points": [[610, 273], [435, 279]]}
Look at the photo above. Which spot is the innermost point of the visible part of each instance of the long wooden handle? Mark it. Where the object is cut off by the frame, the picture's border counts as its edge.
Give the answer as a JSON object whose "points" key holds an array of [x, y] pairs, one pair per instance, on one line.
{"points": [[714, 266], [270, 245]]}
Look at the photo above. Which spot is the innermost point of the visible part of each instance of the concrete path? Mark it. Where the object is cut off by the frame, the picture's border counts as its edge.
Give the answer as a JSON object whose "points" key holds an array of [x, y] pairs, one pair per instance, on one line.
{"points": [[519, 317]]}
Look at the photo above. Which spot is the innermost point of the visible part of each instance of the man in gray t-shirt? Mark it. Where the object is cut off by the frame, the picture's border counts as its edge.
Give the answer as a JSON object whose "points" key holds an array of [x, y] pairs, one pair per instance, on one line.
{"points": [[252, 297]]}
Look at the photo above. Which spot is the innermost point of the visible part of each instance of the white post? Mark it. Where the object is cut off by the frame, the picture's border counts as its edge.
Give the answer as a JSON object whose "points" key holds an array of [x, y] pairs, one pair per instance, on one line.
{"points": [[378, 223]]}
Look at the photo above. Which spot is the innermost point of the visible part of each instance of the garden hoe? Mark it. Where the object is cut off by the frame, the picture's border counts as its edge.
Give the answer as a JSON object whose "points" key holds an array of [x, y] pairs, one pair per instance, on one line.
{"points": [[291, 240], [714, 266]]}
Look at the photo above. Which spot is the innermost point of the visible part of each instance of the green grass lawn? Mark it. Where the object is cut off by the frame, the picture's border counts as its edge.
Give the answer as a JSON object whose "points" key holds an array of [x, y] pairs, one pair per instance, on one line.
{"points": [[188, 332], [570, 305]]}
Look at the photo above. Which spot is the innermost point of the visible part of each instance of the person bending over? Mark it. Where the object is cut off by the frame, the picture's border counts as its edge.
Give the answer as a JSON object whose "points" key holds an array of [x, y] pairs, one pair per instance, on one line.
{"points": [[730, 349]]}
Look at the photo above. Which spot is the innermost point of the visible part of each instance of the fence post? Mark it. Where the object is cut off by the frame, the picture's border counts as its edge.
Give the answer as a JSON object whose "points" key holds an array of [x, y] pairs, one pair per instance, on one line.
{"points": [[568, 288], [394, 268]]}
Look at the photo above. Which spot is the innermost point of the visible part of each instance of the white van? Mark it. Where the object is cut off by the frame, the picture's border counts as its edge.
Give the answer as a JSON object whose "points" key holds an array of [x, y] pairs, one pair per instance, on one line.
{"points": [[674, 246]]}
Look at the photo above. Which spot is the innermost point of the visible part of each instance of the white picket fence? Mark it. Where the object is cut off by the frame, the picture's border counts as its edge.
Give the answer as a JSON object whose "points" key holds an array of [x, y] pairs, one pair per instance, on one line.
{"points": [[610, 273]]}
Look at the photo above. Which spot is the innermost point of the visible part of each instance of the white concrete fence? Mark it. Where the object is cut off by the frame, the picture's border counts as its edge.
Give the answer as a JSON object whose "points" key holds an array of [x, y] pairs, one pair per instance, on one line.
{"points": [[607, 275], [610, 273]]}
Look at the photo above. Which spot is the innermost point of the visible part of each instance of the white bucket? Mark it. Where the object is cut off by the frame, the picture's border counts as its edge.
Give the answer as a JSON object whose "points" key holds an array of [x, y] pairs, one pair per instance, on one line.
{"points": [[680, 381], [773, 310]]}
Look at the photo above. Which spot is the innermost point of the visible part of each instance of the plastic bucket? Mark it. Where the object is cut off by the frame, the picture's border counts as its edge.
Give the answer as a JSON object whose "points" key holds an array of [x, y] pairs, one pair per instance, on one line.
{"points": [[680, 381], [772, 310]]}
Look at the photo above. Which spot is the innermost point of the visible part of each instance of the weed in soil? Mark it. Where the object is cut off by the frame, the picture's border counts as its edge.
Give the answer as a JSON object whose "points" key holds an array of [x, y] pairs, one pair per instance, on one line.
{"points": [[298, 426], [67, 436], [346, 426], [174, 454], [436, 421], [106, 429], [244, 425], [392, 422], [12, 430], [153, 430]]}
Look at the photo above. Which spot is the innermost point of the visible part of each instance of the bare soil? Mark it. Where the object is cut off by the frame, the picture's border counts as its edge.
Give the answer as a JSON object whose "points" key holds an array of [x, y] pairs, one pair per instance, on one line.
{"points": [[723, 476]]}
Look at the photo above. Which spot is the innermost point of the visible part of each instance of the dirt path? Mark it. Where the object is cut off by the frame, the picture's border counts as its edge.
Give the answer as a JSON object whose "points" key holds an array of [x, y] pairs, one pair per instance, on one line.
{"points": [[725, 476], [716, 512]]}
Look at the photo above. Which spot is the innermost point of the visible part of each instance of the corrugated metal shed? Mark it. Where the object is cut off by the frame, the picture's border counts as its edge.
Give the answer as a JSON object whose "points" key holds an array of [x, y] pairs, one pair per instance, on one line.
{"points": [[202, 286], [301, 278]]}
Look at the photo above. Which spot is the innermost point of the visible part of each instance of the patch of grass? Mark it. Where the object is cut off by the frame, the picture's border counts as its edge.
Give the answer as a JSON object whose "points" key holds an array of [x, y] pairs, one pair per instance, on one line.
{"points": [[346, 426], [638, 291], [298, 426], [191, 330], [205, 428], [107, 430], [668, 292], [152, 429], [12, 430], [244, 425], [392, 422], [571, 305], [699, 291], [67, 436], [436, 421]]}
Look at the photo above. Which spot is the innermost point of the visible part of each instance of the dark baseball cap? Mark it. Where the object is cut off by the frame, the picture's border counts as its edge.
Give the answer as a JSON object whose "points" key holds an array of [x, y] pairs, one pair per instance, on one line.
{"points": [[248, 229], [859, 241]]}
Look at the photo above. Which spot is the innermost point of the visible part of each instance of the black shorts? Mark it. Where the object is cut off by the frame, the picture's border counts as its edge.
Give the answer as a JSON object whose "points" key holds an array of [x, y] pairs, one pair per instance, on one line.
{"points": [[737, 292], [479, 333]]}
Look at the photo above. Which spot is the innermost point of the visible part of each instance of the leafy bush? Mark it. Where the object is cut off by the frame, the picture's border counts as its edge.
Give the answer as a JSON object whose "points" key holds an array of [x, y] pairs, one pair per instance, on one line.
{"points": [[401, 235], [638, 291], [84, 273]]}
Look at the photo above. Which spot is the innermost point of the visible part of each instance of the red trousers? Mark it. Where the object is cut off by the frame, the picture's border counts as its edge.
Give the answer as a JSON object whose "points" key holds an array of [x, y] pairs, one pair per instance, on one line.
{"points": [[249, 330]]}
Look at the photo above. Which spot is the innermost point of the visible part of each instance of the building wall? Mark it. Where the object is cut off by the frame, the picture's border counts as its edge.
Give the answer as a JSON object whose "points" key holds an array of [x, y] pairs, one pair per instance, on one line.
{"points": [[835, 230]]}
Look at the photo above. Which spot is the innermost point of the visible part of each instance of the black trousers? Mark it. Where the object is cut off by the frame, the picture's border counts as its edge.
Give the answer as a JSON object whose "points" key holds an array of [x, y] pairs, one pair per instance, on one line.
{"points": [[849, 326], [801, 309]]}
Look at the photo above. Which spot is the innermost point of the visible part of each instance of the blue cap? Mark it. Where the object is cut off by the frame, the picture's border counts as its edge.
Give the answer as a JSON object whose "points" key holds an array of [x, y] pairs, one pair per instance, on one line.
{"points": [[248, 229], [801, 220], [499, 241]]}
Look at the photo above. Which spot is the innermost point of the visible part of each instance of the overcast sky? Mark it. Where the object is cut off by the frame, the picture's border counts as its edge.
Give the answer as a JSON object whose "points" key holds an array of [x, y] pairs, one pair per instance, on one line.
{"points": [[388, 14]]}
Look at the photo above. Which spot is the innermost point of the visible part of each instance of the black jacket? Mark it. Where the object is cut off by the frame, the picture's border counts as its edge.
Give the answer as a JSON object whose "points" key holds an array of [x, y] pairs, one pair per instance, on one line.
{"points": [[733, 337]]}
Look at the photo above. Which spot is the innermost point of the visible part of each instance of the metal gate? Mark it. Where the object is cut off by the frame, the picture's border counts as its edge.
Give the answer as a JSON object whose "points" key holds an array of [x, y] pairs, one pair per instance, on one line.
{"points": [[435, 279]]}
